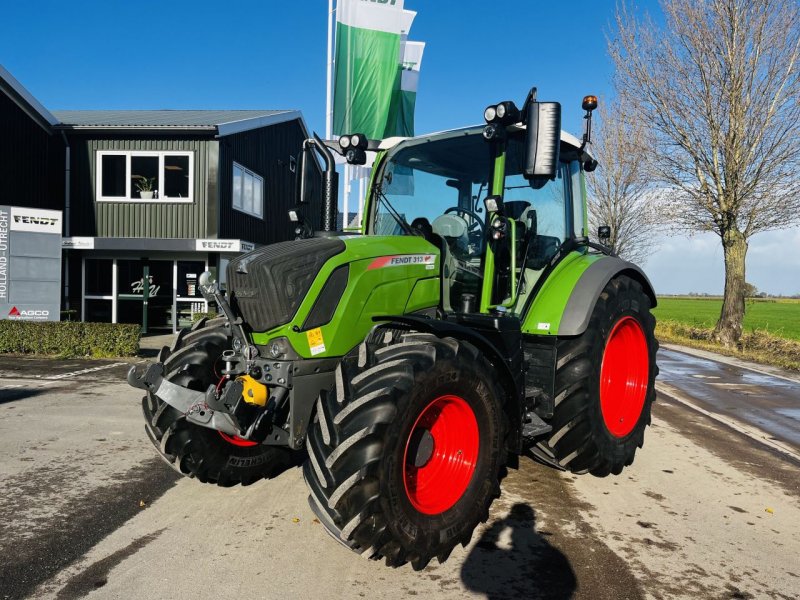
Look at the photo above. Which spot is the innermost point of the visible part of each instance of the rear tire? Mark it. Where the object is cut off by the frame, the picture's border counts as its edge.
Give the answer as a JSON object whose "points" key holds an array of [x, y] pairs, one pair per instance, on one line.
{"points": [[605, 384], [197, 451], [407, 450]]}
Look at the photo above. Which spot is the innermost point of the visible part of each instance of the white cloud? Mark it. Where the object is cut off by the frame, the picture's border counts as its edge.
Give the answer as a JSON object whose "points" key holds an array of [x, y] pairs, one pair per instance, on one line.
{"points": [[695, 264]]}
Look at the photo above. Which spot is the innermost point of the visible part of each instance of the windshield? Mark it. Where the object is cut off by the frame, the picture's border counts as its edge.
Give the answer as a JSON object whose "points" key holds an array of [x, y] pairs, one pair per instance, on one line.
{"points": [[428, 179]]}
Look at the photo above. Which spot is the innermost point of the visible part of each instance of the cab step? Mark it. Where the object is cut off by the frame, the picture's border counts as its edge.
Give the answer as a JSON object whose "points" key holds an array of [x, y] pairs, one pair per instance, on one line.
{"points": [[533, 426]]}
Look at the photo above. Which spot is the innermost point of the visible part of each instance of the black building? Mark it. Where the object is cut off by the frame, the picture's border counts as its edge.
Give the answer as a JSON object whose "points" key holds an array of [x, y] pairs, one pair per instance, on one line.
{"points": [[161, 196], [31, 150], [151, 199]]}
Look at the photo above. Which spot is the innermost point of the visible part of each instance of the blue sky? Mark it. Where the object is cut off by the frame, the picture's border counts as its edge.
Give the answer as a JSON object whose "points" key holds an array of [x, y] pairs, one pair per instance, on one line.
{"points": [[268, 54]]}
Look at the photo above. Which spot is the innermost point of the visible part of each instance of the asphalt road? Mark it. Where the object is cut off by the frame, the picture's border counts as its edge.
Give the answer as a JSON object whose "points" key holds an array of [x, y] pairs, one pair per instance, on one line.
{"points": [[751, 395], [709, 509]]}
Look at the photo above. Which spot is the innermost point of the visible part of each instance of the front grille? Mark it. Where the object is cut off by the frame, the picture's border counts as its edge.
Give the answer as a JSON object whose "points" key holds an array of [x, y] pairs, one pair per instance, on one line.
{"points": [[268, 285]]}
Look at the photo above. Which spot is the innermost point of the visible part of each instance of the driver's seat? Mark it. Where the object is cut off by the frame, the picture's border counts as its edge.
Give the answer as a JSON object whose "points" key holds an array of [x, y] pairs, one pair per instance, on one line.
{"points": [[452, 230]]}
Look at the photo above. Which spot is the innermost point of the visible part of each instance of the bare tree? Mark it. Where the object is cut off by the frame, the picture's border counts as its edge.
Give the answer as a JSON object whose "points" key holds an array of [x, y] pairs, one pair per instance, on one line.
{"points": [[718, 84], [620, 194]]}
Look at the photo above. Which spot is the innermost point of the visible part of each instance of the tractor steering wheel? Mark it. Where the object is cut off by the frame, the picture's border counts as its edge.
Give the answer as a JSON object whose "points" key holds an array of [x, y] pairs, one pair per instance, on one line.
{"points": [[475, 230], [476, 225]]}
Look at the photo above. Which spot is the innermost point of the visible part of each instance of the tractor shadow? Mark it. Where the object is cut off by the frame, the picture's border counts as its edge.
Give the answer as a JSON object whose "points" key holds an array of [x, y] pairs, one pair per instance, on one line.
{"points": [[512, 560], [14, 394]]}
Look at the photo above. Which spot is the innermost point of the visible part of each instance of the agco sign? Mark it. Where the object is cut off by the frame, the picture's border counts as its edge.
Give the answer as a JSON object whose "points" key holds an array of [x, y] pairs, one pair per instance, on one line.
{"points": [[31, 315]]}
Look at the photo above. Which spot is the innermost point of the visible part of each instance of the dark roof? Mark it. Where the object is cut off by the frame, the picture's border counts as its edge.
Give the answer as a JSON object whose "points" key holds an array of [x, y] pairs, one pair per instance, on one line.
{"points": [[224, 122], [23, 98], [157, 118]]}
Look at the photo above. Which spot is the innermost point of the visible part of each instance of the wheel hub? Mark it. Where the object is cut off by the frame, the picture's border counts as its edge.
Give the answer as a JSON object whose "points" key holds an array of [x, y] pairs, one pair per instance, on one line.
{"points": [[441, 455], [624, 375], [421, 447]]}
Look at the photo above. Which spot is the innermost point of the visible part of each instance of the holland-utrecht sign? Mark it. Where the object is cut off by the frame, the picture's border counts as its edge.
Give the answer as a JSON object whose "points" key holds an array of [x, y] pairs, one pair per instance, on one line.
{"points": [[30, 264]]}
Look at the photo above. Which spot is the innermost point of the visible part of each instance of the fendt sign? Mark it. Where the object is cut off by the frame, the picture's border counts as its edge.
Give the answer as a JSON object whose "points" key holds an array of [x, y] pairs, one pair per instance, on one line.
{"points": [[30, 264]]}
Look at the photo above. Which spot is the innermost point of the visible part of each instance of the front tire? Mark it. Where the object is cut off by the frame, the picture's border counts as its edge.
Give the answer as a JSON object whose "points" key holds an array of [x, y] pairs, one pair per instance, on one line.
{"points": [[407, 451], [605, 384], [199, 452]]}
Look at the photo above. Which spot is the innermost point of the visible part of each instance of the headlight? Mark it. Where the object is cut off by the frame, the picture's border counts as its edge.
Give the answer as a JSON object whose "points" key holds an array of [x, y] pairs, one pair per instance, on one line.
{"points": [[356, 140], [490, 113], [501, 111], [344, 142]]}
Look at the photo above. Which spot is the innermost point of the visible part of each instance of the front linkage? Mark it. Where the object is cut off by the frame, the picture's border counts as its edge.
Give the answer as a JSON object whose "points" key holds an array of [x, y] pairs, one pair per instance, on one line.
{"points": [[236, 405]]}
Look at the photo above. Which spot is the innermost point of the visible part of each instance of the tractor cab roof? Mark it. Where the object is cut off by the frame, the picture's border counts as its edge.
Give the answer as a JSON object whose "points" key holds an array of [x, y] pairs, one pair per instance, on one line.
{"points": [[570, 144]]}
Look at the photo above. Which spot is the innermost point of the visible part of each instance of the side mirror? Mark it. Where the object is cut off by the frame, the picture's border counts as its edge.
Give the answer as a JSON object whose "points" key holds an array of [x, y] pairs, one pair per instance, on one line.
{"points": [[543, 141], [303, 175]]}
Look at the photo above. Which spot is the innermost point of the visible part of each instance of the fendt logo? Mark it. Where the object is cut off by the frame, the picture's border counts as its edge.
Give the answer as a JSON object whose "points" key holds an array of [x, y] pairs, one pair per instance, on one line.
{"points": [[28, 220], [36, 315]]}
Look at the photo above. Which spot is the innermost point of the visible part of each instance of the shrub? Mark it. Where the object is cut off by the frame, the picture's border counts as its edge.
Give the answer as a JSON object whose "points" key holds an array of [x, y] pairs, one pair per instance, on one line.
{"points": [[69, 339], [199, 315]]}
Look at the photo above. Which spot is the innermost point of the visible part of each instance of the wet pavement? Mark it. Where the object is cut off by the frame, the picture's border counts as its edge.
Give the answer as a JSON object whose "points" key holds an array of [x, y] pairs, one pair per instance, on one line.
{"points": [[86, 510], [768, 402]]}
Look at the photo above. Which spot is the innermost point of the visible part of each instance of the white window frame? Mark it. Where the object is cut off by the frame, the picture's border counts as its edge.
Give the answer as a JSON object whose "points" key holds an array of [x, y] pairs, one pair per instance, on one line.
{"points": [[256, 179], [159, 186]]}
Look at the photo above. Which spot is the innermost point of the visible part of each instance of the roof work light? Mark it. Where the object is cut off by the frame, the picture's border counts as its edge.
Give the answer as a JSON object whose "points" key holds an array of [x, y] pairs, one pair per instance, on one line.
{"points": [[504, 113], [354, 147]]}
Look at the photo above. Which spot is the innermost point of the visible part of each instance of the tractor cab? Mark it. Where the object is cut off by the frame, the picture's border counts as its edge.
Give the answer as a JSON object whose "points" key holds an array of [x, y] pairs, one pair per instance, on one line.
{"points": [[437, 186], [499, 203]]}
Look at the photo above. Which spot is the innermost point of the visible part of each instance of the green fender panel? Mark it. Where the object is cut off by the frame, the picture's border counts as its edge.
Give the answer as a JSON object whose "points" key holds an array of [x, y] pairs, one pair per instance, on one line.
{"points": [[565, 302]]}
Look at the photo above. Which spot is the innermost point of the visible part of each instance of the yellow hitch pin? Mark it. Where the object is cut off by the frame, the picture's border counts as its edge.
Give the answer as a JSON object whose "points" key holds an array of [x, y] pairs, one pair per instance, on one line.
{"points": [[253, 392]]}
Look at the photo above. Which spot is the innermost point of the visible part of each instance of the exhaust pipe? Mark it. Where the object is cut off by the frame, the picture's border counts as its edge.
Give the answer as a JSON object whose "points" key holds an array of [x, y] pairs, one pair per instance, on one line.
{"points": [[330, 188]]}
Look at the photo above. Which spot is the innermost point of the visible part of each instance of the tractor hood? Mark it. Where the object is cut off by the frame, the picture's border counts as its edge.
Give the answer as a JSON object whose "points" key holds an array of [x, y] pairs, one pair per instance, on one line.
{"points": [[267, 286], [332, 288]]}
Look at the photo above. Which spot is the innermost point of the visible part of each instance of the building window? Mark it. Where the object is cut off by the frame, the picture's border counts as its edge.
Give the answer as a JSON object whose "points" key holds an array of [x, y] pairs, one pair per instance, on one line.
{"points": [[248, 191], [139, 176]]}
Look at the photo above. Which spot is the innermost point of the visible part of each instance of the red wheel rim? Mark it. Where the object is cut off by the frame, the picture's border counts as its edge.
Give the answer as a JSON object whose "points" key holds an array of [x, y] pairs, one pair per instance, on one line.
{"points": [[237, 441], [449, 453], [624, 376]]}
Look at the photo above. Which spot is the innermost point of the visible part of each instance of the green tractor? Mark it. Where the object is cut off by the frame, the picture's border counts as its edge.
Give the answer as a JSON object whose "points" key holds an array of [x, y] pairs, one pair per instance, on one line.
{"points": [[467, 322]]}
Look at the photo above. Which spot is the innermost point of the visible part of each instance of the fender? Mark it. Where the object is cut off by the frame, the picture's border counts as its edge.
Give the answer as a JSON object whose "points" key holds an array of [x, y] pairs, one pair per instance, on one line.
{"points": [[588, 288]]}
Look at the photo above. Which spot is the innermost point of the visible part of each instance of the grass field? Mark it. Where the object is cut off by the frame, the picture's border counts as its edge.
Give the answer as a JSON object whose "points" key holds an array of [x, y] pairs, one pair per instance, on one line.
{"points": [[779, 317]]}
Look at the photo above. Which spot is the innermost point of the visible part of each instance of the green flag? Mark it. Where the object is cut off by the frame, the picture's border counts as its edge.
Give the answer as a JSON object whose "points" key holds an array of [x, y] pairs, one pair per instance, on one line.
{"points": [[404, 99], [367, 52]]}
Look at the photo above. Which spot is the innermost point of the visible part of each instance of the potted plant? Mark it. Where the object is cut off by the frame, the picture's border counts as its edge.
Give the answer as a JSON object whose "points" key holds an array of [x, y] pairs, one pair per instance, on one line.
{"points": [[144, 186]]}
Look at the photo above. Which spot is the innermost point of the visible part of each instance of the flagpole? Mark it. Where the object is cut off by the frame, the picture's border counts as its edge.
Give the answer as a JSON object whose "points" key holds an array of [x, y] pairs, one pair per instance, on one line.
{"points": [[329, 90], [329, 102], [362, 174]]}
